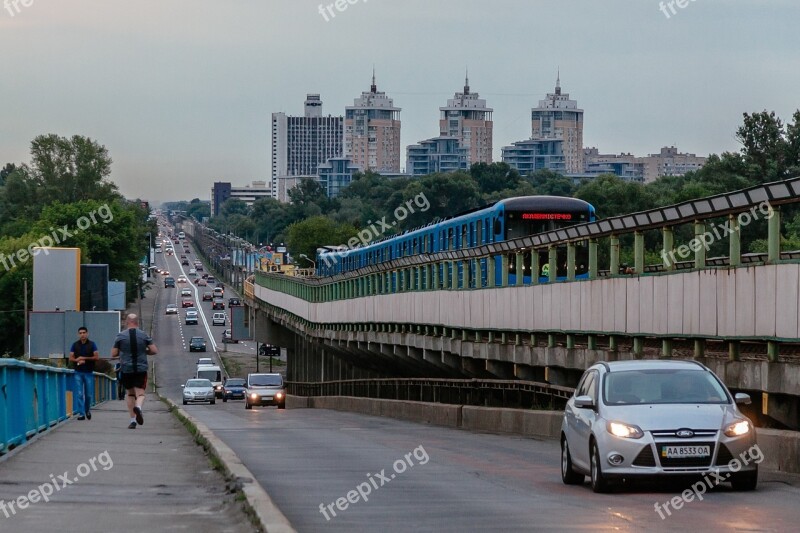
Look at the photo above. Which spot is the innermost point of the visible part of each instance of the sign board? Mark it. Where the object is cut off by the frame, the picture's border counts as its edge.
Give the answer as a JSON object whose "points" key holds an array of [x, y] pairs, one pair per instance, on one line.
{"points": [[52, 333], [56, 279], [240, 323]]}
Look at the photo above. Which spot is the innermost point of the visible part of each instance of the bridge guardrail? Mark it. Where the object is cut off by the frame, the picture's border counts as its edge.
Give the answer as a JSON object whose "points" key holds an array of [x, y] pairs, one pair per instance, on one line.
{"points": [[35, 397]]}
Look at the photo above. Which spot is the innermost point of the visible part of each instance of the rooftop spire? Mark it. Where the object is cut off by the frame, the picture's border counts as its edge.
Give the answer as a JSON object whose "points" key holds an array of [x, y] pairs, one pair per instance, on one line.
{"points": [[558, 81], [466, 82], [373, 88]]}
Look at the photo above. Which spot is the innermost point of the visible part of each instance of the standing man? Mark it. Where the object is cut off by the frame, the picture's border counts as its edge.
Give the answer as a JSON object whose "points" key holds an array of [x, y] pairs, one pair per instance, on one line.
{"points": [[83, 354], [132, 347]]}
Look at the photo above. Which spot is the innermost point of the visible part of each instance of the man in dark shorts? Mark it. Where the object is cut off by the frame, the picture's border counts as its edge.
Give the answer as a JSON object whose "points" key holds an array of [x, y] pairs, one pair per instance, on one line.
{"points": [[83, 355], [132, 347]]}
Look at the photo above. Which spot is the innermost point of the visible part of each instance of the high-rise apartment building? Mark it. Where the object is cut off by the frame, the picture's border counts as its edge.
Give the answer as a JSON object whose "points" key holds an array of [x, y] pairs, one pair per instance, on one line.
{"points": [[372, 132], [558, 117], [535, 154], [670, 162], [467, 118], [301, 144], [440, 154]]}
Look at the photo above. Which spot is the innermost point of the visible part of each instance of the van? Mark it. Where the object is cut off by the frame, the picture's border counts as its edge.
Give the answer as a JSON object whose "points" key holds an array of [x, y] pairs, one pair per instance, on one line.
{"points": [[218, 292], [218, 319], [212, 373]]}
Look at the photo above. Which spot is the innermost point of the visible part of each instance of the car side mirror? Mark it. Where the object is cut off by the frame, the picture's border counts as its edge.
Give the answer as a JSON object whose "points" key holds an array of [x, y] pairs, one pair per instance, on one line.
{"points": [[742, 399], [182, 386], [584, 402]]}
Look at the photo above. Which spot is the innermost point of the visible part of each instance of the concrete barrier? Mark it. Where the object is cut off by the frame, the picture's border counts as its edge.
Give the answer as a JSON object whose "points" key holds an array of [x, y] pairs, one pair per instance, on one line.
{"points": [[515, 421], [781, 450]]}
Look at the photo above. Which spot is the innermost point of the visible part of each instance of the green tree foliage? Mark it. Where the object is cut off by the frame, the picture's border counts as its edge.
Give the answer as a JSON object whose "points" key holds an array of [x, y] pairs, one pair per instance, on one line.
{"points": [[306, 236]]}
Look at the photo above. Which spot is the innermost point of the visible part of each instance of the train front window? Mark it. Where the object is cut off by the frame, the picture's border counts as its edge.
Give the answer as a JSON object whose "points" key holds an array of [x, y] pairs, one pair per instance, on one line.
{"points": [[522, 224]]}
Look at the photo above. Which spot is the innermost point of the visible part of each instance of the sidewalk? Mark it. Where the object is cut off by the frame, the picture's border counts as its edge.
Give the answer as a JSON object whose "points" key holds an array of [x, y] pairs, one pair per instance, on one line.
{"points": [[153, 478]]}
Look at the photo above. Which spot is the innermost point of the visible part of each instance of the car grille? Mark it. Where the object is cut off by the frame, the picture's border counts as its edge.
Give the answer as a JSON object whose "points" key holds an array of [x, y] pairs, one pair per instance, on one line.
{"points": [[645, 457], [686, 461], [673, 433]]}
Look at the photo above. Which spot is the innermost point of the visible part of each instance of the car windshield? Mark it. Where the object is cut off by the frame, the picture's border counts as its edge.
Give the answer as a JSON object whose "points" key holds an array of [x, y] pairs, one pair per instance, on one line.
{"points": [[662, 386], [197, 339], [198, 383], [266, 380], [234, 383]]}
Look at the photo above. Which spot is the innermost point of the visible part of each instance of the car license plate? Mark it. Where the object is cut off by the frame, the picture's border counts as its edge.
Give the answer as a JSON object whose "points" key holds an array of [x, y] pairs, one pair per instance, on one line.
{"points": [[675, 452], [267, 398]]}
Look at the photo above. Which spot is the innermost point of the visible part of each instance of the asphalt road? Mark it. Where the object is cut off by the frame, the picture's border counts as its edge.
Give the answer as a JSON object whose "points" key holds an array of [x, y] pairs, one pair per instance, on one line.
{"points": [[401, 476]]}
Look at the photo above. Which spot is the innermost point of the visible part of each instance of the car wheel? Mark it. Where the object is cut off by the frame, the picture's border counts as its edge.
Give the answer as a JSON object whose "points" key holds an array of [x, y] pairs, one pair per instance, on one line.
{"points": [[224, 399], [599, 482], [282, 406], [212, 402], [247, 406], [744, 480], [568, 475], [184, 402]]}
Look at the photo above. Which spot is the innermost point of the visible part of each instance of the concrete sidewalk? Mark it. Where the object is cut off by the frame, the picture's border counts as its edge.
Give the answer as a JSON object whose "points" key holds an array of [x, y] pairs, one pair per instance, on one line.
{"points": [[100, 476]]}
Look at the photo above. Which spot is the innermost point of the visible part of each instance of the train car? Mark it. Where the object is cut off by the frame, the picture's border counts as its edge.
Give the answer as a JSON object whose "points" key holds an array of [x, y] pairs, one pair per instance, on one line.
{"points": [[504, 220]]}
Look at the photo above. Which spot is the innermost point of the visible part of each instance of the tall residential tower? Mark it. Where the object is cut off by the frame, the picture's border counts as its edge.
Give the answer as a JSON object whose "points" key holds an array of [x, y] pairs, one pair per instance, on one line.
{"points": [[372, 132], [558, 117], [301, 144], [467, 118]]}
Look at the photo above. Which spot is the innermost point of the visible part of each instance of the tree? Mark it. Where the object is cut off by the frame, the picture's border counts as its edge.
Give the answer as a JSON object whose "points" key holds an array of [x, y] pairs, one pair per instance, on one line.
{"points": [[494, 177], [306, 236], [444, 195], [233, 206], [6, 171]]}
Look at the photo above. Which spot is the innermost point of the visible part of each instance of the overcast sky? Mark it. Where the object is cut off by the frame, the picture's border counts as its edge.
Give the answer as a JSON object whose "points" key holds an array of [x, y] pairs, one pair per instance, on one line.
{"points": [[181, 91]]}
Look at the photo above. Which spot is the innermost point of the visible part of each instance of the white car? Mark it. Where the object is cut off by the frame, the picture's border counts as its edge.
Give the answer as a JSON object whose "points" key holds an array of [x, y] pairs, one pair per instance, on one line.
{"points": [[192, 271], [218, 319], [191, 317], [669, 418], [199, 390], [186, 292], [171, 309]]}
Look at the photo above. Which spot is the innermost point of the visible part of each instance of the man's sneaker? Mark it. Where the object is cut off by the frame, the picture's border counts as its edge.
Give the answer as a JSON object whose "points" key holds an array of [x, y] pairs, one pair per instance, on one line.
{"points": [[139, 417], [88, 415], [132, 425], [81, 417]]}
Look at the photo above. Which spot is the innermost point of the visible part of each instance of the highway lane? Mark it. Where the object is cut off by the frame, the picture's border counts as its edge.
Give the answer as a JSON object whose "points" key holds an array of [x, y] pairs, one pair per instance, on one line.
{"points": [[456, 481]]}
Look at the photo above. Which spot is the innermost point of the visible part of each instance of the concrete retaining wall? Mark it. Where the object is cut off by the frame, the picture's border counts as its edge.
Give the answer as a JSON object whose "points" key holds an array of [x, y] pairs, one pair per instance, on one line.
{"points": [[781, 449]]}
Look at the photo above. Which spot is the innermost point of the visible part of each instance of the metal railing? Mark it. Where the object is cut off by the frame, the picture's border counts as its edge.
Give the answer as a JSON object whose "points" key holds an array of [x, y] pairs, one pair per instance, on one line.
{"points": [[34, 398], [486, 392]]}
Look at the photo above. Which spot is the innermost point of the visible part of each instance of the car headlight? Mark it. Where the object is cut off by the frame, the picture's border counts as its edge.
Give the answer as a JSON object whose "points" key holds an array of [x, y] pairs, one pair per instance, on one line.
{"points": [[626, 431], [279, 395], [738, 428], [254, 396]]}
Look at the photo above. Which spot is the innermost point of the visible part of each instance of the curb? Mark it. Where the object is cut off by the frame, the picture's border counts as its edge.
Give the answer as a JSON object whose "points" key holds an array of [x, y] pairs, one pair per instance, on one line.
{"points": [[269, 517]]}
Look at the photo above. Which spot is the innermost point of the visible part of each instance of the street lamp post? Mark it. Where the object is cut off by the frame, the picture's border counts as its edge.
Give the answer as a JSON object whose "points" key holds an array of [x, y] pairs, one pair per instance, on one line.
{"points": [[313, 263]]}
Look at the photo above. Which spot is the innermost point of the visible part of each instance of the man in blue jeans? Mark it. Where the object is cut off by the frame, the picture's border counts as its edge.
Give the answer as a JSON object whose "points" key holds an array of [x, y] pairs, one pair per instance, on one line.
{"points": [[83, 354]]}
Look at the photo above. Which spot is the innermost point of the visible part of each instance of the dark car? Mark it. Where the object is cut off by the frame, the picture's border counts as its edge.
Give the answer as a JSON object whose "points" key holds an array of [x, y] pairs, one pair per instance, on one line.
{"points": [[169, 282], [218, 304], [197, 344], [234, 388], [234, 301], [185, 262], [208, 297]]}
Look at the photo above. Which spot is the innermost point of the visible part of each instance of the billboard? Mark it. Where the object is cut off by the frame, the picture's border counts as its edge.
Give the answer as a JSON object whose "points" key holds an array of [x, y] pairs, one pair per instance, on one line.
{"points": [[56, 279], [240, 327], [116, 295], [52, 333]]}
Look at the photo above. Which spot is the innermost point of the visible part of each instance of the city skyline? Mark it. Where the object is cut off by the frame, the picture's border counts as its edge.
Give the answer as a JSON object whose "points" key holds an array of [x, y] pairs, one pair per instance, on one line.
{"points": [[180, 106]]}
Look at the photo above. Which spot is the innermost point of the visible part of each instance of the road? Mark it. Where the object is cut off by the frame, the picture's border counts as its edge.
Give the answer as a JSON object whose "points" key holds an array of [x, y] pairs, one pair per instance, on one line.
{"points": [[402, 476]]}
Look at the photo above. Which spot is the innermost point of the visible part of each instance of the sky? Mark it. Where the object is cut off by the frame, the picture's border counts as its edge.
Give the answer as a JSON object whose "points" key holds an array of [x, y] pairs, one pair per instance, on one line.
{"points": [[181, 91]]}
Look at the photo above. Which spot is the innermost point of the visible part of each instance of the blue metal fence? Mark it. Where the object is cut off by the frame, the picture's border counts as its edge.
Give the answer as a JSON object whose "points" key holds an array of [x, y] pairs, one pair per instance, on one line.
{"points": [[36, 397]]}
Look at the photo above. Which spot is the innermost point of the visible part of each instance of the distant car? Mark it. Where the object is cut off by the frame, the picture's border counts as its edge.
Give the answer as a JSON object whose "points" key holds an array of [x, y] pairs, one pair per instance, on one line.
{"points": [[205, 361], [192, 271], [197, 344], [234, 388], [185, 262], [199, 390], [218, 292], [211, 279], [186, 292], [183, 257], [227, 336], [218, 304], [208, 297], [186, 302], [191, 317], [218, 319], [169, 283], [205, 277], [165, 272], [199, 267], [182, 279], [171, 309], [201, 282], [265, 389], [655, 419], [234, 301]]}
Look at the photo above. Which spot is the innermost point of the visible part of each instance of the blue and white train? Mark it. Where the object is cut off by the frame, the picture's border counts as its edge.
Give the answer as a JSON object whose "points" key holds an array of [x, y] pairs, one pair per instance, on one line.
{"points": [[504, 220]]}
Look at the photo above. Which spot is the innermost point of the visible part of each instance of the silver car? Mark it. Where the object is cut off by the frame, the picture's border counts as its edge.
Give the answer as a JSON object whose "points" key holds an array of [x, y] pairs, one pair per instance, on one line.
{"points": [[632, 419], [265, 389], [199, 390]]}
